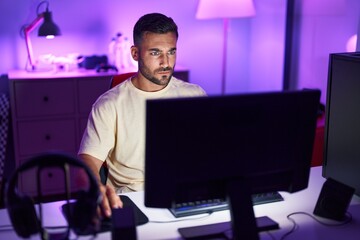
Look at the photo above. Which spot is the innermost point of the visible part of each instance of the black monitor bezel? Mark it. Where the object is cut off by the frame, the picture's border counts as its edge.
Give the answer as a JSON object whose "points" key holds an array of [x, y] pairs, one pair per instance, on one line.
{"points": [[295, 110], [341, 147]]}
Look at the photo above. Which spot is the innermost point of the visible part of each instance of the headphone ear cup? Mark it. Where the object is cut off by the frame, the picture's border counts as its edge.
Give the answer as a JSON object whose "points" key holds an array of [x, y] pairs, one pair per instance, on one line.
{"points": [[23, 216], [84, 215]]}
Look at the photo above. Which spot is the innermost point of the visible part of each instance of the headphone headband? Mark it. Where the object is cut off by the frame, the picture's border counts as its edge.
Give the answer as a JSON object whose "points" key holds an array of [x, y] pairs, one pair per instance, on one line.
{"points": [[22, 212], [53, 160]]}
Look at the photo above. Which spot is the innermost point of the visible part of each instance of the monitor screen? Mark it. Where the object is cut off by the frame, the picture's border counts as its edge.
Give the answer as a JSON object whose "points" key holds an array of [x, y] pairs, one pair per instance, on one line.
{"points": [[342, 131], [220, 146]]}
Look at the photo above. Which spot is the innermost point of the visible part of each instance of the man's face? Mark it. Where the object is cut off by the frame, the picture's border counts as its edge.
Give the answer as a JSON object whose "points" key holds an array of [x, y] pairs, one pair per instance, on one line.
{"points": [[157, 57]]}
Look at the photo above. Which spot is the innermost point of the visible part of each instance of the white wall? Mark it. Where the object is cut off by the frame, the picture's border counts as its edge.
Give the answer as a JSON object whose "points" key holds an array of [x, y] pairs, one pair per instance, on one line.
{"points": [[326, 26], [87, 26], [256, 45]]}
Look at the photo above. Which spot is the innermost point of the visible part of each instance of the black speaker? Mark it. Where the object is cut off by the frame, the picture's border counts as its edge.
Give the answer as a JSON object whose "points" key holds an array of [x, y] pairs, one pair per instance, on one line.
{"points": [[334, 200], [21, 208]]}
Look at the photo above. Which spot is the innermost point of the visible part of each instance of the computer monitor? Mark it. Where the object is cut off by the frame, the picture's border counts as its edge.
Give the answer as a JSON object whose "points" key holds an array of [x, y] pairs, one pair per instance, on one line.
{"points": [[229, 146], [342, 132]]}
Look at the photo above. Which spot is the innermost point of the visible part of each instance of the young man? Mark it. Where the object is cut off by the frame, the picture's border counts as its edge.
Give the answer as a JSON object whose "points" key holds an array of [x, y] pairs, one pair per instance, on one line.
{"points": [[115, 132]]}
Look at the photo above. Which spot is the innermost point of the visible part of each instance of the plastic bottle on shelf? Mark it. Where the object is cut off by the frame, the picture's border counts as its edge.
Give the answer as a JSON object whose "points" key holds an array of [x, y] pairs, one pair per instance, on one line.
{"points": [[118, 52], [126, 53], [111, 52]]}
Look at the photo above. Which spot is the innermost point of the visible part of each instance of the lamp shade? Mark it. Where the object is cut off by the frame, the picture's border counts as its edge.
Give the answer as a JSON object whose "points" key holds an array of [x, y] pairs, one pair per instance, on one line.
{"points": [[48, 27], [208, 9]]}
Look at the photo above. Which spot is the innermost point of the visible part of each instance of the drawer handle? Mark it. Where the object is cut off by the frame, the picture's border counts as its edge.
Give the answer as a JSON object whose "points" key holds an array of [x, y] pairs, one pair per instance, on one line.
{"points": [[50, 175], [46, 98], [47, 137]]}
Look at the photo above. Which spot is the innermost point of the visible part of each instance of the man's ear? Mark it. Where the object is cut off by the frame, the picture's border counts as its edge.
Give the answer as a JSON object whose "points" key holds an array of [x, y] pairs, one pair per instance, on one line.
{"points": [[135, 53]]}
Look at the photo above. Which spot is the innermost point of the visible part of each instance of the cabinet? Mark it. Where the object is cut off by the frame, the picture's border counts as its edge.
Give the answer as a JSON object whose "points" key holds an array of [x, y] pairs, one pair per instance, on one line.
{"points": [[49, 113]]}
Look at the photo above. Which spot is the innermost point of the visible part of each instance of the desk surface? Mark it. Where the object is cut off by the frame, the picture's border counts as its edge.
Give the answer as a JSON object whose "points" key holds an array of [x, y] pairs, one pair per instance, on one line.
{"points": [[163, 225]]}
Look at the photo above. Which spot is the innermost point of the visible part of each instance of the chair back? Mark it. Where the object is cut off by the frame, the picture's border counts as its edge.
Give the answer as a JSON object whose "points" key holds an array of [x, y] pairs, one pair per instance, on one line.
{"points": [[117, 79]]}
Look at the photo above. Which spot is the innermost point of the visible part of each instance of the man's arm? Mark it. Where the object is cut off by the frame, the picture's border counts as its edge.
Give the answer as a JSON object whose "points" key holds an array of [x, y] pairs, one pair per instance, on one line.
{"points": [[109, 197], [93, 163]]}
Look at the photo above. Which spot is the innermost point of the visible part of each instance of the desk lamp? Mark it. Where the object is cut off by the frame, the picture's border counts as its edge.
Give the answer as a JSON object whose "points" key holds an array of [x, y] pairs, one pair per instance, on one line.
{"points": [[48, 29], [225, 9]]}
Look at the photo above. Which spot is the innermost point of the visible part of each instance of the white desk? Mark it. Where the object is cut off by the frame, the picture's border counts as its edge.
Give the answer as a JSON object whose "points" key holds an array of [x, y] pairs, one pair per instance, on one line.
{"points": [[301, 201]]}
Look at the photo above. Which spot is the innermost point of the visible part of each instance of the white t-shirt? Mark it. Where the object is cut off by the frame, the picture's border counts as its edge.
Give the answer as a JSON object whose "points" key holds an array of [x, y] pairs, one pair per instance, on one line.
{"points": [[115, 130]]}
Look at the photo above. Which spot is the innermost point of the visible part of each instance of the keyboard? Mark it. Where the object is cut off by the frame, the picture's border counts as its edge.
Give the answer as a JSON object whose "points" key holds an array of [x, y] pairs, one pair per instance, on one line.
{"points": [[212, 205]]}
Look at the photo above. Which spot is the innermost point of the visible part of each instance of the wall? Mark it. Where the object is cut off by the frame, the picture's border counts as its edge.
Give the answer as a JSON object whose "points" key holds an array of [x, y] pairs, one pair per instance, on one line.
{"points": [[87, 27], [256, 45], [326, 27]]}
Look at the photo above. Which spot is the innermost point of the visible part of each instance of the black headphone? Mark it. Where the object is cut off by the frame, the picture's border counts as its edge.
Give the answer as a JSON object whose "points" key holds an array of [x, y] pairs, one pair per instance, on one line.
{"points": [[21, 207]]}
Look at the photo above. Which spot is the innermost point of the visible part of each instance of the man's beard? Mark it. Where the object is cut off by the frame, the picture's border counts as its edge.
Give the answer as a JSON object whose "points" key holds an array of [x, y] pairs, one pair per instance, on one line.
{"points": [[163, 81]]}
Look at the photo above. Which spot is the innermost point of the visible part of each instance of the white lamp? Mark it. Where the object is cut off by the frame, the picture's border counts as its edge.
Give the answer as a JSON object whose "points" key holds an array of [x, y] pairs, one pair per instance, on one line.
{"points": [[225, 9]]}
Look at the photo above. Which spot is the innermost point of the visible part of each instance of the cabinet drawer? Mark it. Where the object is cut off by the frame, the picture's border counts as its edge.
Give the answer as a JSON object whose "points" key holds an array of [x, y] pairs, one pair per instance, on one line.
{"points": [[82, 126], [37, 137], [42, 98], [89, 90], [52, 181]]}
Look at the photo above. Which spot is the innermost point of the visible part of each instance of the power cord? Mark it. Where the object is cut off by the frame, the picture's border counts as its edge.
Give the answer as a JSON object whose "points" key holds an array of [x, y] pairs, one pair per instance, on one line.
{"points": [[296, 226], [9, 227], [208, 214], [4, 228]]}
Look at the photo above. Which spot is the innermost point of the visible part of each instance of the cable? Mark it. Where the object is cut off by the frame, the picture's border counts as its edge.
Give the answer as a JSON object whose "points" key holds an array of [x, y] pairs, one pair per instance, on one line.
{"points": [[296, 226], [271, 236], [293, 229], [346, 221], [183, 219], [40, 4], [4, 228]]}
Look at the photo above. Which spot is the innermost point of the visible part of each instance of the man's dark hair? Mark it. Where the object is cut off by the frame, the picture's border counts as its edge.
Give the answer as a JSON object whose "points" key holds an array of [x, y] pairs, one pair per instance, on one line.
{"points": [[155, 23]]}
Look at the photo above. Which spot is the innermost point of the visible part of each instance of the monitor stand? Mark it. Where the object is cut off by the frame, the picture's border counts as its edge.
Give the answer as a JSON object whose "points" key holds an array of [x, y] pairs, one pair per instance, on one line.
{"points": [[219, 230], [243, 223]]}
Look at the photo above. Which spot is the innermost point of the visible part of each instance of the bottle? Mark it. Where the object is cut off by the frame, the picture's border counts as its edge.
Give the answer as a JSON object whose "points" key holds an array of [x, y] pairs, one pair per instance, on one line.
{"points": [[111, 52], [118, 52], [126, 56]]}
